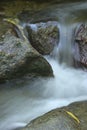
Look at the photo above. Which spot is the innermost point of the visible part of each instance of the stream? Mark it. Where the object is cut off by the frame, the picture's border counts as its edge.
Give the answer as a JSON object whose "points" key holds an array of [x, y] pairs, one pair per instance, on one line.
{"points": [[24, 100]]}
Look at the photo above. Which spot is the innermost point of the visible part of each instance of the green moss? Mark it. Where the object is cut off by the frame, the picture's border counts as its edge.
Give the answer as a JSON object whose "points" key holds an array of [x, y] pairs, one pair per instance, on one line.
{"points": [[12, 8], [2, 53]]}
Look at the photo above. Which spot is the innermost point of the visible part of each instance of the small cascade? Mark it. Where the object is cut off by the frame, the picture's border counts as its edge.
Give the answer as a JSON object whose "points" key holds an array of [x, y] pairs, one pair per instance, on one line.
{"points": [[63, 52], [20, 102], [65, 45]]}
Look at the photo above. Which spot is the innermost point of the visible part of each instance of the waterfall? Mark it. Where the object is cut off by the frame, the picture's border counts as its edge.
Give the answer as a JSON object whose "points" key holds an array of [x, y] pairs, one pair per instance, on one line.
{"points": [[22, 101], [65, 45]]}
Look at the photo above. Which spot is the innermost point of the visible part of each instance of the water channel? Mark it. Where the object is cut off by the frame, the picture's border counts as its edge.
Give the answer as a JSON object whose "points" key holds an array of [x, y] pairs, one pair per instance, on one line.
{"points": [[24, 100]]}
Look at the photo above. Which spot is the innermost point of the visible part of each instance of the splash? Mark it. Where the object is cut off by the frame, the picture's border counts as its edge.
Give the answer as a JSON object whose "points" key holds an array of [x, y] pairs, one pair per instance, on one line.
{"points": [[23, 101]]}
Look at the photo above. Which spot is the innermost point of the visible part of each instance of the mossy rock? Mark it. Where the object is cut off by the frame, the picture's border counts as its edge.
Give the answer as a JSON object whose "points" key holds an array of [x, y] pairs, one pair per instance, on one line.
{"points": [[44, 36], [18, 58], [72, 117]]}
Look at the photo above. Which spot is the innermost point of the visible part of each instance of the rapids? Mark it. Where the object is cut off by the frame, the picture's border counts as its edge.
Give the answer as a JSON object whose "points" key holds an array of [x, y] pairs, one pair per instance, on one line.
{"points": [[24, 100]]}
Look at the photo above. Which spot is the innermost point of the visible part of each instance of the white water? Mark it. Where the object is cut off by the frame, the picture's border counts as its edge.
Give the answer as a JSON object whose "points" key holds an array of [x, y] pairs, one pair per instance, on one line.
{"points": [[22, 101], [19, 105]]}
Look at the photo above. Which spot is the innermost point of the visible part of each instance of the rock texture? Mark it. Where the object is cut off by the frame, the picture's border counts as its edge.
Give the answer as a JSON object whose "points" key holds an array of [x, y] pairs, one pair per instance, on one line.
{"points": [[72, 117], [81, 45], [18, 58], [43, 36]]}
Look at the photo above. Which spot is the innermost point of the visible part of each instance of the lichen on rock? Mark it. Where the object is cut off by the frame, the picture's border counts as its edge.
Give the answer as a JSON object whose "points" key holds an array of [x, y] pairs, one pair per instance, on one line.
{"points": [[18, 58], [81, 45], [44, 36]]}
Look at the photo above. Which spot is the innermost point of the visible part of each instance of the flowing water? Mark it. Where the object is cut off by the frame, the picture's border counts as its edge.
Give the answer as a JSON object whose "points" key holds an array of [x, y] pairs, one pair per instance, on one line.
{"points": [[23, 100]]}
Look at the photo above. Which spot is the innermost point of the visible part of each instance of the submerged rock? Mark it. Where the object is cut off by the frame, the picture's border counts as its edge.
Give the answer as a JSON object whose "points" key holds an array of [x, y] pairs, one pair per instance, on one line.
{"points": [[44, 36], [81, 45], [72, 117], [18, 58]]}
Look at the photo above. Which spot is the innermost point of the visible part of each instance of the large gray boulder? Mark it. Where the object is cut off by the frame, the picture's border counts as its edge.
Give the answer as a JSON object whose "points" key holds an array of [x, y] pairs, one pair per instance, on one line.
{"points": [[44, 36], [18, 58], [72, 117], [81, 45]]}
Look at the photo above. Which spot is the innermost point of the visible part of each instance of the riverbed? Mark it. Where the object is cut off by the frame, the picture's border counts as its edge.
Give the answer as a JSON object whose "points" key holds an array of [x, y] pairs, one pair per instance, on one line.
{"points": [[25, 99]]}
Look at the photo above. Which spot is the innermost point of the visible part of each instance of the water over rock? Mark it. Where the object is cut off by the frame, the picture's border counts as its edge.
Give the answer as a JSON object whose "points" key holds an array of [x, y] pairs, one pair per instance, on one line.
{"points": [[72, 117], [43, 36], [81, 45], [18, 58]]}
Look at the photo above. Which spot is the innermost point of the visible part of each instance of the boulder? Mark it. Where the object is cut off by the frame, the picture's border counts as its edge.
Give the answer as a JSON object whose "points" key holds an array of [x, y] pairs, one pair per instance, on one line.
{"points": [[43, 36], [18, 58], [81, 45], [79, 109], [72, 117]]}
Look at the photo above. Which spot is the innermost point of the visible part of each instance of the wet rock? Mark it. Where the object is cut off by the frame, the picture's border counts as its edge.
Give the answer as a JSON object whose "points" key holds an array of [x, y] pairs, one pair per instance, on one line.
{"points": [[43, 36], [72, 117], [80, 111], [81, 45], [18, 58]]}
